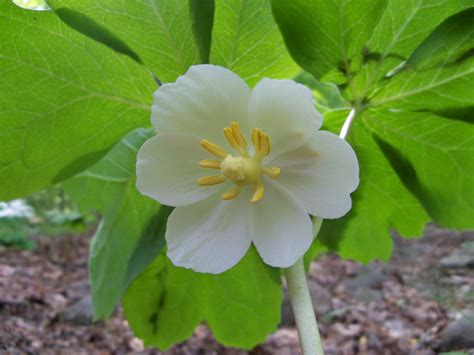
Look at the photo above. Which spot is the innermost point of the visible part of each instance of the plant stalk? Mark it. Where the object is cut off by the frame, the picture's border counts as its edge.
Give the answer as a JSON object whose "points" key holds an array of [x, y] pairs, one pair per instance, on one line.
{"points": [[303, 311], [347, 124]]}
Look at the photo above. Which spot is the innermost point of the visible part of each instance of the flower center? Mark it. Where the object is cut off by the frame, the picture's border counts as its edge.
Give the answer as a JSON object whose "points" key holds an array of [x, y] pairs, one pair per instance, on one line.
{"points": [[242, 169]]}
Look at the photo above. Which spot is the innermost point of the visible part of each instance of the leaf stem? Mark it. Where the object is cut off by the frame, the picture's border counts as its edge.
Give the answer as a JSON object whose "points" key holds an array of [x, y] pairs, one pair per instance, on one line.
{"points": [[303, 311], [347, 124]]}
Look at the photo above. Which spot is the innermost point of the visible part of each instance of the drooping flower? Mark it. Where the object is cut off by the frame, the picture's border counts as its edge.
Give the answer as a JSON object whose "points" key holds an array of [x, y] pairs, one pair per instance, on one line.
{"points": [[242, 167]]}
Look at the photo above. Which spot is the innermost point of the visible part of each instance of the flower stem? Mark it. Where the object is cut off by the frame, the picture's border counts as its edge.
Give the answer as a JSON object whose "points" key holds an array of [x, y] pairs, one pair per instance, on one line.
{"points": [[347, 124], [303, 311]]}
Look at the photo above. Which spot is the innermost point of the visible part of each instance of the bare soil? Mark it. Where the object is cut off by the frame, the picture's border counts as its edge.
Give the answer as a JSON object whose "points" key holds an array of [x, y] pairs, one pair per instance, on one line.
{"points": [[397, 308]]}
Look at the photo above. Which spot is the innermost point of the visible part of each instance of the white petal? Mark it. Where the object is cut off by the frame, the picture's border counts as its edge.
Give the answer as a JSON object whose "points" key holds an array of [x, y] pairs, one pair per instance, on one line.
{"points": [[285, 111], [209, 236], [281, 229], [321, 174], [168, 170], [201, 102]]}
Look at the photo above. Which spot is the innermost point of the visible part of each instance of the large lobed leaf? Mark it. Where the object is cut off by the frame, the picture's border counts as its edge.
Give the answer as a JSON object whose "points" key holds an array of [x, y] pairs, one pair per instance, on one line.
{"points": [[407, 68], [64, 100]]}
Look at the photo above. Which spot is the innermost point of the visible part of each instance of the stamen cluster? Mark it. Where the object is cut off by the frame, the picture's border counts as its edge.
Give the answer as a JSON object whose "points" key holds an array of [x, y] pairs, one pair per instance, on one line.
{"points": [[242, 170]]}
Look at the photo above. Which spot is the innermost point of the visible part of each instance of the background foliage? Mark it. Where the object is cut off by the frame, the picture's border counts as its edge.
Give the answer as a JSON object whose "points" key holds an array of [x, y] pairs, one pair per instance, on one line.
{"points": [[76, 90]]}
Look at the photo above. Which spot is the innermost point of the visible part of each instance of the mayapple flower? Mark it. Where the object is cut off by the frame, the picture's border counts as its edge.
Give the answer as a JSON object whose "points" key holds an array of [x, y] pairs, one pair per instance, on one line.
{"points": [[242, 167]]}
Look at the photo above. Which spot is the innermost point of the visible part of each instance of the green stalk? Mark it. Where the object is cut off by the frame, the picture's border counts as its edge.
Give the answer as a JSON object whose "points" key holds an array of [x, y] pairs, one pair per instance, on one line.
{"points": [[303, 311]]}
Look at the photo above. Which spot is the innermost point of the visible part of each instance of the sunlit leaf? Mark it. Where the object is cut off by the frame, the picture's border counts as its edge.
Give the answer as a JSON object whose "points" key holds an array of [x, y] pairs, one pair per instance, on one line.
{"points": [[159, 32], [403, 27], [440, 72], [64, 100], [245, 39], [450, 42], [436, 89]]}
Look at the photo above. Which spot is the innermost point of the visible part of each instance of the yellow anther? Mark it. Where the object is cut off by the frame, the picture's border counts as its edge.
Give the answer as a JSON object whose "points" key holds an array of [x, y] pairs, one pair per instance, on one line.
{"points": [[213, 149], [258, 191], [229, 134], [213, 164], [272, 172], [232, 193], [211, 180], [239, 137], [256, 139], [264, 144], [243, 169]]}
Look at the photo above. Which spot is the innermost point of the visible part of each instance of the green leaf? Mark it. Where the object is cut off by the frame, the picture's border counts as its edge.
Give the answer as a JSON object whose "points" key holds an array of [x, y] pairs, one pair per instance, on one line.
{"points": [[440, 72], [436, 89], [96, 31], [380, 203], [160, 32], [439, 155], [364, 40], [202, 16], [241, 306], [131, 233], [449, 43], [322, 35], [326, 95], [403, 26], [412, 59], [149, 246], [246, 40], [65, 100]]}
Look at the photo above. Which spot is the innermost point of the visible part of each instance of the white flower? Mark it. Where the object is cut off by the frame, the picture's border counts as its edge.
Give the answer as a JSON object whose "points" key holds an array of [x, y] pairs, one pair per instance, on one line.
{"points": [[242, 167]]}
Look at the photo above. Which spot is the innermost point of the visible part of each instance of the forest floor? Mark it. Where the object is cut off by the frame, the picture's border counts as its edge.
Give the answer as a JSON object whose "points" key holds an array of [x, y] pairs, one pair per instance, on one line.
{"points": [[418, 303]]}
